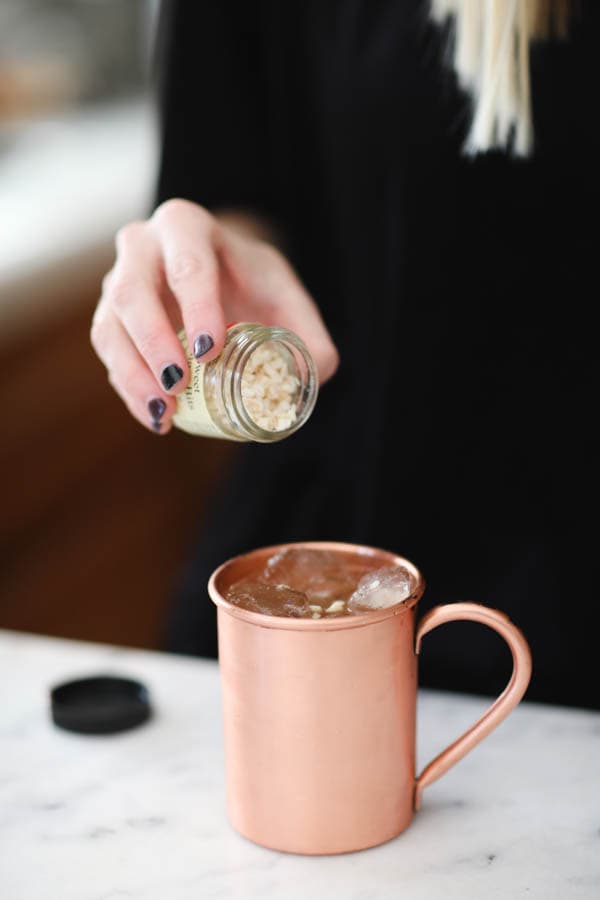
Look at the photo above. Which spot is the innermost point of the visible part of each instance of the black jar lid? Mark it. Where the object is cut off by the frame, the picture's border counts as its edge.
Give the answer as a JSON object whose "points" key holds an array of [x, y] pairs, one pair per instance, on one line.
{"points": [[100, 704]]}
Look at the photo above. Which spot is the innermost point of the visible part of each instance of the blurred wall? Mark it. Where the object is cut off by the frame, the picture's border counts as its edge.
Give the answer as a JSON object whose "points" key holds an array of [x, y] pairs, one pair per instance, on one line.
{"points": [[98, 515]]}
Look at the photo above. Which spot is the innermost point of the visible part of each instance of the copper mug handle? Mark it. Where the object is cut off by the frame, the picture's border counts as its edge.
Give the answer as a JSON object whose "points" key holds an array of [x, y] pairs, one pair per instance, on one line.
{"points": [[501, 707]]}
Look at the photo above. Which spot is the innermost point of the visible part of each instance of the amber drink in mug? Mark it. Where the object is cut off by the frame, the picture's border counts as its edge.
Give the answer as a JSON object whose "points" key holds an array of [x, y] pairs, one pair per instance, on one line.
{"points": [[318, 648]]}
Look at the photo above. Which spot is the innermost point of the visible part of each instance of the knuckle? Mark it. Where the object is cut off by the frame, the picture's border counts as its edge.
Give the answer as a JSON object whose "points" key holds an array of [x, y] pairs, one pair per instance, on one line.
{"points": [[176, 208], [171, 209], [121, 291], [98, 333], [128, 235], [106, 281], [184, 266], [205, 219]]}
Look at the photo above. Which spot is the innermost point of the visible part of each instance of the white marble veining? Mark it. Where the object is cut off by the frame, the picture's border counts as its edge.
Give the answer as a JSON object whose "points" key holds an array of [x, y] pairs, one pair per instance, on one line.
{"points": [[141, 815]]}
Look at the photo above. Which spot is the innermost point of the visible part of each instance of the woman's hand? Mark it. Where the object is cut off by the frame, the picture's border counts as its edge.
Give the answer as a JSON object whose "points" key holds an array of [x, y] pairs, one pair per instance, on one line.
{"points": [[187, 268]]}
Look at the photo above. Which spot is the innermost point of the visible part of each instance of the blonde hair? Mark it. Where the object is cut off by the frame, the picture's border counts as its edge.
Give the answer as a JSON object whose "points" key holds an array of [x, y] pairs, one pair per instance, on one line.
{"points": [[490, 54]]}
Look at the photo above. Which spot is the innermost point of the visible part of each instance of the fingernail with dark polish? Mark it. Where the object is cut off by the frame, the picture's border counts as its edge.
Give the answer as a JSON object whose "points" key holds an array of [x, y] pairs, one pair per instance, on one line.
{"points": [[202, 345], [157, 408], [170, 375]]}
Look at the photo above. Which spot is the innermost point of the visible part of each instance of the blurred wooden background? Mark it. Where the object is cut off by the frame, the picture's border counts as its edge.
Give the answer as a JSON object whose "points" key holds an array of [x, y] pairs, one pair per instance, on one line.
{"points": [[97, 514]]}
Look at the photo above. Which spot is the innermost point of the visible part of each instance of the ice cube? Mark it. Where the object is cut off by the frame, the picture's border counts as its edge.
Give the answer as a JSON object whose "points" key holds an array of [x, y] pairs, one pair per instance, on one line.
{"points": [[296, 565], [323, 576], [381, 588], [269, 599]]}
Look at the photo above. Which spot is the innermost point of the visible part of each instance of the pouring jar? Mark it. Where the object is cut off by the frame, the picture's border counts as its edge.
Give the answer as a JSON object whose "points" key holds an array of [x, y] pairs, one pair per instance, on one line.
{"points": [[262, 387]]}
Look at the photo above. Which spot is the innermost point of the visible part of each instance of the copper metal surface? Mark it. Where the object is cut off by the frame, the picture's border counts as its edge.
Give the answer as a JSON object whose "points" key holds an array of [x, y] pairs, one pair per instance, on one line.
{"points": [[319, 714]]}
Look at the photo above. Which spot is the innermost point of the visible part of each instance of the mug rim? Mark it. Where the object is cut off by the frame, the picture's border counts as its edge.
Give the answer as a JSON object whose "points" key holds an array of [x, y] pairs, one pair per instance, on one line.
{"points": [[288, 623]]}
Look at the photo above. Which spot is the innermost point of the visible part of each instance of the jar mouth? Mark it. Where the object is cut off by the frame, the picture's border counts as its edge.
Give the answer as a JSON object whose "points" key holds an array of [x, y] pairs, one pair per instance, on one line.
{"points": [[300, 366]]}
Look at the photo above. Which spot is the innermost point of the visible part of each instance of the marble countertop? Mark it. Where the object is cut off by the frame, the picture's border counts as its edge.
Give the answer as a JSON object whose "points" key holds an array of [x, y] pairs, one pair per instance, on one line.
{"points": [[141, 815]]}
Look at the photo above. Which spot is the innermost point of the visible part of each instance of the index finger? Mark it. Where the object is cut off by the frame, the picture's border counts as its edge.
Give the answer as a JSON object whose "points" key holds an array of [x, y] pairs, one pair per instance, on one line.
{"points": [[186, 234]]}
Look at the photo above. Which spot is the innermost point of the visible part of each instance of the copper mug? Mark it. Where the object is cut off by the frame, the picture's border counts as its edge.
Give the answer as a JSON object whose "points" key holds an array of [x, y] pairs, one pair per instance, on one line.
{"points": [[319, 714]]}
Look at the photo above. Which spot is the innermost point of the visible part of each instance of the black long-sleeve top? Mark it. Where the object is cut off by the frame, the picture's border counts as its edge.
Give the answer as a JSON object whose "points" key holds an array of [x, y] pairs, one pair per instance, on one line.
{"points": [[459, 428]]}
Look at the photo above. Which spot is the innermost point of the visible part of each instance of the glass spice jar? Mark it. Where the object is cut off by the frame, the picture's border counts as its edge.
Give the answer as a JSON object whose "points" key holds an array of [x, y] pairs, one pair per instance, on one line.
{"points": [[262, 387]]}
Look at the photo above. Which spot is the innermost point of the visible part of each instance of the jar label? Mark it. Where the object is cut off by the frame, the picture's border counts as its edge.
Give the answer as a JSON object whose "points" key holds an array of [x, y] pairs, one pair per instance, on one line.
{"points": [[192, 413]]}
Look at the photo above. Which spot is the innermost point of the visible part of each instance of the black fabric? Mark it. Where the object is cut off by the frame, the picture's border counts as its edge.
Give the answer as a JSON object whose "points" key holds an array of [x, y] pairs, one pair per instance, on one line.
{"points": [[459, 428]]}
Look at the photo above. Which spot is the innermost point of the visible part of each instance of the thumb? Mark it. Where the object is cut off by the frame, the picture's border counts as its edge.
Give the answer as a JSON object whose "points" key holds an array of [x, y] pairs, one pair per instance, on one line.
{"points": [[274, 294]]}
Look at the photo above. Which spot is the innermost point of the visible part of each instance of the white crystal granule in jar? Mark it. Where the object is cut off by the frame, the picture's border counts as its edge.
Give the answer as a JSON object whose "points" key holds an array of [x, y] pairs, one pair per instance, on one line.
{"points": [[269, 388]]}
